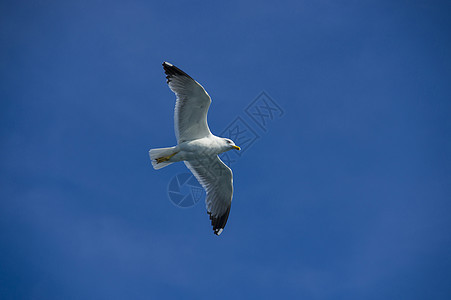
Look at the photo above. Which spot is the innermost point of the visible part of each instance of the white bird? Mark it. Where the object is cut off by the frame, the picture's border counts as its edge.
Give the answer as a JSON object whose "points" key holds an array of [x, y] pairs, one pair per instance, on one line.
{"points": [[197, 146]]}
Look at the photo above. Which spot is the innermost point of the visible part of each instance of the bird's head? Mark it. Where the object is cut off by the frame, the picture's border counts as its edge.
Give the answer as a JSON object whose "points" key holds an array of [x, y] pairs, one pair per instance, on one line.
{"points": [[229, 145]]}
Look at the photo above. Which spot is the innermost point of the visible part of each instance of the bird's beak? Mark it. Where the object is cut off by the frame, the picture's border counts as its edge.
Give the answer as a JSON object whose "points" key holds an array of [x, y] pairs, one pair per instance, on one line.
{"points": [[236, 147]]}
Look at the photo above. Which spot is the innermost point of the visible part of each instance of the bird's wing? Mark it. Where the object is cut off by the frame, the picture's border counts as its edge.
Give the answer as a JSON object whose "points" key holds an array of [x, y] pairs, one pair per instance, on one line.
{"points": [[217, 180], [191, 108]]}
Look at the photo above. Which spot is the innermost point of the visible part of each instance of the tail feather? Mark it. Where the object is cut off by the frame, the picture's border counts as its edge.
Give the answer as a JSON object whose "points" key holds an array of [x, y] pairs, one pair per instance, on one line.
{"points": [[158, 153]]}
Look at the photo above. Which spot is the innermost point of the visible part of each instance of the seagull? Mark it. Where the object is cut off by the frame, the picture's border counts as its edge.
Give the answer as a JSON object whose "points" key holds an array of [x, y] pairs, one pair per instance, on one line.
{"points": [[197, 147]]}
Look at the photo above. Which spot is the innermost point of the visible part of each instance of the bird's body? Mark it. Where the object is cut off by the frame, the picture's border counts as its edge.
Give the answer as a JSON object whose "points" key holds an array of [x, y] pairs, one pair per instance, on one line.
{"points": [[197, 146], [189, 150]]}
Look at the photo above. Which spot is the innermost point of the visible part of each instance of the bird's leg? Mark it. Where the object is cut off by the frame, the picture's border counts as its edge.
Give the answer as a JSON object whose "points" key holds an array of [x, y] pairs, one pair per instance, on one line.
{"points": [[165, 158]]}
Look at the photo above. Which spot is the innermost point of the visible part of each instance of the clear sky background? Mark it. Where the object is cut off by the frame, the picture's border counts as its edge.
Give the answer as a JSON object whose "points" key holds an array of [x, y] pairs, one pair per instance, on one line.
{"points": [[346, 196]]}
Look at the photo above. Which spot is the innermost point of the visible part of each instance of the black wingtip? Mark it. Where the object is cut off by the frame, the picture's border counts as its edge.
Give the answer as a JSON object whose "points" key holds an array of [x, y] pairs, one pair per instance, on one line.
{"points": [[219, 223], [167, 64], [170, 70]]}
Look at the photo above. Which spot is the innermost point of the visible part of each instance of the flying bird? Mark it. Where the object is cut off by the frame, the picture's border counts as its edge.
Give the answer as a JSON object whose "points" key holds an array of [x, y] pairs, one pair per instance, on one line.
{"points": [[197, 147]]}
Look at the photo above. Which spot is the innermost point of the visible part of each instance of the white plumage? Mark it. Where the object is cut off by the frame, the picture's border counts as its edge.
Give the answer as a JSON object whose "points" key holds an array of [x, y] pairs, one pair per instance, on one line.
{"points": [[197, 146]]}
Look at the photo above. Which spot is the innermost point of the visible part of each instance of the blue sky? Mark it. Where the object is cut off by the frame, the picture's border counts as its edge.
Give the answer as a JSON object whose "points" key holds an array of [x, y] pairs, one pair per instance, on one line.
{"points": [[346, 196]]}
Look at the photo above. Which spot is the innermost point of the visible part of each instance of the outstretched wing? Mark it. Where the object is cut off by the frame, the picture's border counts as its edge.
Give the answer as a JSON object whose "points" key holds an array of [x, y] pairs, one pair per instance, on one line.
{"points": [[217, 180], [191, 108]]}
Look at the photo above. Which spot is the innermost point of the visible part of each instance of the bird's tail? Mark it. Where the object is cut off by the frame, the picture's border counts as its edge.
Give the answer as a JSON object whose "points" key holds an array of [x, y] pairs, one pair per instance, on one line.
{"points": [[160, 157]]}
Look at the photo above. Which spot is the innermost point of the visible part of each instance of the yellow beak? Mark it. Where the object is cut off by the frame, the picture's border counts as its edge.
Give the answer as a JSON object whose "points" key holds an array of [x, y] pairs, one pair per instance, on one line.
{"points": [[236, 147]]}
